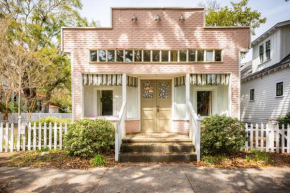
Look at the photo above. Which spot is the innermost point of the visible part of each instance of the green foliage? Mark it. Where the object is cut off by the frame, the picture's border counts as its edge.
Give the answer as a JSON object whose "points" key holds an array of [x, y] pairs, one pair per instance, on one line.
{"points": [[51, 120], [213, 160], [222, 134], [284, 120], [98, 160], [237, 15], [248, 158], [261, 156], [87, 137]]}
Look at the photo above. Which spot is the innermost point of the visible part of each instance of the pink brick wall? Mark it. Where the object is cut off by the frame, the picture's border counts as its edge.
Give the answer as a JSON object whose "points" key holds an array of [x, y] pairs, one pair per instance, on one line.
{"points": [[132, 126], [180, 126], [146, 33]]}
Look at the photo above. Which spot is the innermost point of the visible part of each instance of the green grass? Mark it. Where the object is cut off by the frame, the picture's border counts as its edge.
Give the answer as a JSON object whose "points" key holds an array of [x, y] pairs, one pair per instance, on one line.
{"points": [[98, 160], [260, 156], [214, 159]]}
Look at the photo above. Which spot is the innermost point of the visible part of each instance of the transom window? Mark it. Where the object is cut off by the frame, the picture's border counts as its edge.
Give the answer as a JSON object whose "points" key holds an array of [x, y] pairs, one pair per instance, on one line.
{"points": [[156, 56], [279, 89], [252, 94]]}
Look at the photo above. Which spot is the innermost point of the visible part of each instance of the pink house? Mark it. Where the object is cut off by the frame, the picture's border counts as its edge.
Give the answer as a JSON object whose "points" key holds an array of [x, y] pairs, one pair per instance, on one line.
{"points": [[154, 68]]}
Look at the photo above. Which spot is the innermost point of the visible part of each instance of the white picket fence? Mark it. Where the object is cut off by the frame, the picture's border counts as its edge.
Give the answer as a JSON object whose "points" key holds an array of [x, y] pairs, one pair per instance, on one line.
{"points": [[13, 117], [31, 137], [268, 137]]}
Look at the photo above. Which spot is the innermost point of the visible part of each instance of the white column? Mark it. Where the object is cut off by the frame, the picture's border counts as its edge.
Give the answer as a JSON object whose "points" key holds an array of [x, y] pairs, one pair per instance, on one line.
{"points": [[124, 88], [187, 93], [230, 97]]}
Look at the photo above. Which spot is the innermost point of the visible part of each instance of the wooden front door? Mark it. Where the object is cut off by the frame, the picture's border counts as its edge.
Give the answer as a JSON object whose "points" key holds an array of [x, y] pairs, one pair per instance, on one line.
{"points": [[156, 105]]}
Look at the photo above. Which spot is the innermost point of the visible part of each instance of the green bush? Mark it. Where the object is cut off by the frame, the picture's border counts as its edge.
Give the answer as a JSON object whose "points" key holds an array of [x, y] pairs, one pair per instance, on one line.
{"points": [[222, 134], [51, 120], [87, 137], [284, 120]]}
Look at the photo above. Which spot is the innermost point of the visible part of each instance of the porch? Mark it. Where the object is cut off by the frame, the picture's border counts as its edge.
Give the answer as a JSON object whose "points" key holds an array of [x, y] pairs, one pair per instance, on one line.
{"points": [[169, 103]]}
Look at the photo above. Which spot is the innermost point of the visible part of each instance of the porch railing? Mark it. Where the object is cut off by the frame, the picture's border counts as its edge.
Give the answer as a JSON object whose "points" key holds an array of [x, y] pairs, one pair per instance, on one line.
{"points": [[194, 130], [120, 130]]}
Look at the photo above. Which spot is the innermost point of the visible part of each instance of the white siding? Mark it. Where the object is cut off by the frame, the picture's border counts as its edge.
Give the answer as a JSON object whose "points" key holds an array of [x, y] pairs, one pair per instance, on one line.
{"points": [[179, 103], [132, 103], [266, 105]]}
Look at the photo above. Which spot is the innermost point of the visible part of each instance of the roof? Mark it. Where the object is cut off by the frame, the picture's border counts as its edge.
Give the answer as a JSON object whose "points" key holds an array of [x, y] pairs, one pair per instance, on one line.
{"points": [[270, 31], [247, 70], [280, 65]]}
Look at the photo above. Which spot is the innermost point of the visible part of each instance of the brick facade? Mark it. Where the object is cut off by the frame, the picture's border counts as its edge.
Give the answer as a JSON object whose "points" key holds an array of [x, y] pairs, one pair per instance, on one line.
{"points": [[146, 33]]}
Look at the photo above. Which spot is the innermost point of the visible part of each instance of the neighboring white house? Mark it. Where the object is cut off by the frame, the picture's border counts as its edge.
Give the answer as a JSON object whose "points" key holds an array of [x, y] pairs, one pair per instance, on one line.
{"points": [[265, 85]]}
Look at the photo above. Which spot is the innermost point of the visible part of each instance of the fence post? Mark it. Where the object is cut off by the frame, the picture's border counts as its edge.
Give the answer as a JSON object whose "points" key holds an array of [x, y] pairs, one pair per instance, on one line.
{"points": [[24, 139], [271, 135], [60, 135], [65, 128], [34, 136], [251, 137], [18, 134], [49, 137], [29, 136], [6, 138], [267, 137], [257, 136], [44, 135], [277, 138], [55, 135], [1, 137], [39, 136], [288, 138], [12, 138], [283, 139], [262, 137]]}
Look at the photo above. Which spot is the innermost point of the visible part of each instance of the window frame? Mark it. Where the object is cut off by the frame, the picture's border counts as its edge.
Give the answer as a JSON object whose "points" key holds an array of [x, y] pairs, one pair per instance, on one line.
{"points": [[252, 94], [261, 55], [113, 101], [279, 92], [268, 50]]}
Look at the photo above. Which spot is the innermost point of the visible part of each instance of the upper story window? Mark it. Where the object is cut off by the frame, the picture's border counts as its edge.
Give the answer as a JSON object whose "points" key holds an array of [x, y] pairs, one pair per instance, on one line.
{"points": [[175, 56], [261, 53], [268, 50], [252, 94], [279, 89]]}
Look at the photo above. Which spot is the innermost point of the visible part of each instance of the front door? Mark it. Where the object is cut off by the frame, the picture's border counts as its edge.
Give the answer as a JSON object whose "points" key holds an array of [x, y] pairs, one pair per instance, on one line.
{"points": [[156, 105]]}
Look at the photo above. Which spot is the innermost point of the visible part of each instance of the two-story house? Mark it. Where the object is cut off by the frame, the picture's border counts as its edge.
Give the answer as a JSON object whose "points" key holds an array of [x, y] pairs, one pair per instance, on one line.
{"points": [[265, 84]]}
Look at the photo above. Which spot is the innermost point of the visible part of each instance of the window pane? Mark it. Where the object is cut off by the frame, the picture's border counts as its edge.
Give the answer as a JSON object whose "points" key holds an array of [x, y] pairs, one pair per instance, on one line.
{"points": [[268, 45], [261, 51], [93, 55], [111, 55], [200, 55], [268, 50], [102, 55], [279, 89], [204, 103], [147, 55], [120, 56], [163, 90], [128, 55], [191, 55], [173, 55], [107, 102], [209, 56], [156, 56], [218, 56], [182, 55], [148, 89], [138, 56], [252, 94], [165, 56]]}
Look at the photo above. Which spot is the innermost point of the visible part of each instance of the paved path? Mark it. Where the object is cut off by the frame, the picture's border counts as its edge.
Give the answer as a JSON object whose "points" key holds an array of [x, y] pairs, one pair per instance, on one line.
{"points": [[146, 178]]}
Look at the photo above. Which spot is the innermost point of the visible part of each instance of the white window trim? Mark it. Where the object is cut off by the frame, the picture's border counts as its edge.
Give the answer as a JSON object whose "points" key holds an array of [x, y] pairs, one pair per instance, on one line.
{"points": [[96, 102]]}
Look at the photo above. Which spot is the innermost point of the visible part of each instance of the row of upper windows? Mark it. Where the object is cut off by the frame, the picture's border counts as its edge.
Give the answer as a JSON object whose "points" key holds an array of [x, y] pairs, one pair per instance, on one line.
{"points": [[155, 55], [262, 51], [279, 91]]}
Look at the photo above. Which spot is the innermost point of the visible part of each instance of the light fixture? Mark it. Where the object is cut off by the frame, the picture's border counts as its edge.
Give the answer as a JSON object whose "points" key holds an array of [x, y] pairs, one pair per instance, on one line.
{"points": [[134, 18], [181, 18], [158, 18]]}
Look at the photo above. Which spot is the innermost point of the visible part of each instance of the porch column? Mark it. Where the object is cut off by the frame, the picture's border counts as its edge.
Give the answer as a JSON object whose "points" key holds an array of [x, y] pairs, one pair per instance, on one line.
{"points": [[187, 93], [124, 88]]}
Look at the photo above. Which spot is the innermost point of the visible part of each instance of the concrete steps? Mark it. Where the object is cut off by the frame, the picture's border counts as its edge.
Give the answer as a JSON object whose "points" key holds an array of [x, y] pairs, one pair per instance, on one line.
{"points": [[157, 147]]}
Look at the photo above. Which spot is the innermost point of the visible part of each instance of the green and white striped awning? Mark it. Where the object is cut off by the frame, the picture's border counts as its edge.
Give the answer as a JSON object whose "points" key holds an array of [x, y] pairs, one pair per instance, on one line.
{"points": [[108, 80], [179, 81], [209, 79]]}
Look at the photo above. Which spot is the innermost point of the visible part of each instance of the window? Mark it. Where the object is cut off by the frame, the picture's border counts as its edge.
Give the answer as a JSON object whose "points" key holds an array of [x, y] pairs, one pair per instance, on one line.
{"points": [[279, 89], [218, 56], [147, 55], [165, 55], [156, 56], [182, 55], [173, 55], [128, 55], [111, 55], [261, 53], [105, 102], [191, 55], [252, 94], [120, 56], [138, 55], [200, 55], [209, 55], [204, 103], [268, 50], [93, 55], [102, 55]]}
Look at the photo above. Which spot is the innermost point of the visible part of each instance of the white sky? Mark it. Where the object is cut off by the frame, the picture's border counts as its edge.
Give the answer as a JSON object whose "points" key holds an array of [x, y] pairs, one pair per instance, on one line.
{"points": [[274, 10]]}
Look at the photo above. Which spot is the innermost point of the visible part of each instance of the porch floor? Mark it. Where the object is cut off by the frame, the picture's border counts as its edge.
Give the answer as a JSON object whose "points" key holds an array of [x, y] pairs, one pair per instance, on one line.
{"points": [[157, 137]]}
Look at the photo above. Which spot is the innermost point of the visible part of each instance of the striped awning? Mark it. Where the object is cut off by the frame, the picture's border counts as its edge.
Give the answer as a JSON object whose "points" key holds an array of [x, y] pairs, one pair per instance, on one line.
{"points": [[108, 80], [179, 81], [209, 79]]}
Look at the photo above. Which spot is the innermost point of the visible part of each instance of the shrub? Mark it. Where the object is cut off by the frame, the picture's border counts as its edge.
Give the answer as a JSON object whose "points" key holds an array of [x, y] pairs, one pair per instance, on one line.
{"points": [[87, 137], [98, 160], [222, 134], [284, 120], [51, 120]]}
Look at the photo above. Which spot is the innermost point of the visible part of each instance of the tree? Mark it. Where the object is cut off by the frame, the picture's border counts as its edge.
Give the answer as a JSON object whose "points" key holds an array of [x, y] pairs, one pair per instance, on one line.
{"points": [[237, 15], [37, 25]]}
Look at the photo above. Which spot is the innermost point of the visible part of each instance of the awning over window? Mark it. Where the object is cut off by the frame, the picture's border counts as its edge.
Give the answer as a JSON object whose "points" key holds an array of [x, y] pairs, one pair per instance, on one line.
{"points": [[108, 80], [179, 81], [209, 79]]}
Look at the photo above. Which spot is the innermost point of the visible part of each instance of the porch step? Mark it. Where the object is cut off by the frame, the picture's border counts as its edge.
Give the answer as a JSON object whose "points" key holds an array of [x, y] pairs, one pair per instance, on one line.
{"points": [[157, 157], [157, 147]]}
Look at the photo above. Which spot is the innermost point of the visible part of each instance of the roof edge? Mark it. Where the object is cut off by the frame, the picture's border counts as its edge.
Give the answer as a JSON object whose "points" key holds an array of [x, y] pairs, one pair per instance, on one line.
{"points": [[157, 8]]}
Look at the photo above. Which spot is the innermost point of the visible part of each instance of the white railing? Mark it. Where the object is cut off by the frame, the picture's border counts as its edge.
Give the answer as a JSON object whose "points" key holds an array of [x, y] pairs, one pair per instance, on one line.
{"points": [[194, 131], [120, 130], [31, 137], [268, 137], [13, 117]]}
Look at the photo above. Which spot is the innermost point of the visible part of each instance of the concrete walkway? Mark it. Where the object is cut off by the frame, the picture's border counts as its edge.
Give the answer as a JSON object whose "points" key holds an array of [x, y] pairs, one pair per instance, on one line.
{"points": [[146, 178]]}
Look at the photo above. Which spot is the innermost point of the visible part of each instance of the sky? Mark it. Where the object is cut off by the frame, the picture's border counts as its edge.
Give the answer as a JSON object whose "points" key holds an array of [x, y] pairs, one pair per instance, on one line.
{"points": [[274, 10]]}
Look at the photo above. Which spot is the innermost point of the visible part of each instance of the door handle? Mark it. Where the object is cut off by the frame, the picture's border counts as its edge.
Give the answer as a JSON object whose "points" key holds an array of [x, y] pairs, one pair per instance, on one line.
{"points": [[157, 108]]}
